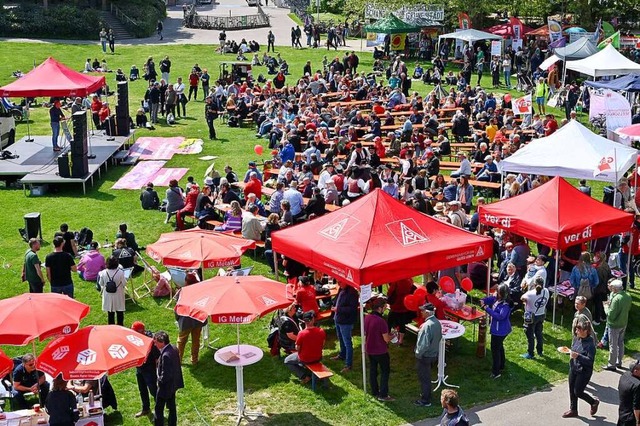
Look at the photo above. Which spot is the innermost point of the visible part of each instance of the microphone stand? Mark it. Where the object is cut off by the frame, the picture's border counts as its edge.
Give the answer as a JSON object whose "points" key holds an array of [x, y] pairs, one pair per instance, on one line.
{"points": [[29, 138]]}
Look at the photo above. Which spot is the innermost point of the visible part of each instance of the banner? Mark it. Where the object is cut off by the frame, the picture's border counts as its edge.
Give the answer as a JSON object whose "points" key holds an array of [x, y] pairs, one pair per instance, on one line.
{"points": [[607, 165], [523, 105], [611, 105], [516, 27], [464, 21], [577, 36], [496, 48], [555, 29], [374, 39], [596, 35], [397, 41], [613, 39], [420, 14], [516, 44]]}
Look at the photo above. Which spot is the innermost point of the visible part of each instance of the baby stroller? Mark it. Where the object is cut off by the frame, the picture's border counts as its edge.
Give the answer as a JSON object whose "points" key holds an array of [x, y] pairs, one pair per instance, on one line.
{"points": [[524, 83]]}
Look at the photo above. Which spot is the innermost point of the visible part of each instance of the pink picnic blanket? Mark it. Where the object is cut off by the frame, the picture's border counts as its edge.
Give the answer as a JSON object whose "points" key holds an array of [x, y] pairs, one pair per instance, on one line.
{"points": [[163, 176], [154, 148], [149, 171]]}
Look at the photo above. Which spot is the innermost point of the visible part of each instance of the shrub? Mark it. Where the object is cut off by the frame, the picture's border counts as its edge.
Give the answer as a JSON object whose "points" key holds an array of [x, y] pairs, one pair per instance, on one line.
{"points": [[68, 22], [145, 14]]}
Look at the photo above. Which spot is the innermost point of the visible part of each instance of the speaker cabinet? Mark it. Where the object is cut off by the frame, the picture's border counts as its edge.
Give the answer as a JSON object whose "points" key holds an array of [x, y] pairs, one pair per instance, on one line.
{"points": [[109, 126], [122, 126], [32, 225], [79, 166], [80, 146], [122, 107], [63, 166]]}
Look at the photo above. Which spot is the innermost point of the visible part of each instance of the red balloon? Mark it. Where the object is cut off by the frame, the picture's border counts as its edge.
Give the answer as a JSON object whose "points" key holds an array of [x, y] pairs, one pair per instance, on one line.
{"points": [[410, 302], [466, 284], [258, 149], [447, 285], [421, 291]]}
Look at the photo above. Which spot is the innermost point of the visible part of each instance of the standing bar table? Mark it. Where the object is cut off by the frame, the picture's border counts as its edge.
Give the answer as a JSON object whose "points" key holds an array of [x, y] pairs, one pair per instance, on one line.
{"points": [[450, 330]]}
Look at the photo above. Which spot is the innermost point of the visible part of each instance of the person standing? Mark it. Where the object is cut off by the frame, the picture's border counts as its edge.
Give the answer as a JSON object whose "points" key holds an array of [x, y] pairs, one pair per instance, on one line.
{"points": [[154, 101], [32, 271], [111, 38], [59, 267], [426, 352], [581, 308], [205, 78], [113, 283], [271, 39], [346, 314], [188, 326], [55, 116], [165, 69], [583, 352], [617, 320], [181, 99], [169, 380], [498, 308], [103, 40], [629, 392], [506, 70], [452, 414], [194, 79], [535, 308], [146, 373], [211, 113], [309, 344], [159, 28], [377, 337]]}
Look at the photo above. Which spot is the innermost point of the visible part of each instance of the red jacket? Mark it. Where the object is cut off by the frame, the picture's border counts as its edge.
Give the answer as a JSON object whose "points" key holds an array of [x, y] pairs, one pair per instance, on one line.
{"points": [[254, 186]]}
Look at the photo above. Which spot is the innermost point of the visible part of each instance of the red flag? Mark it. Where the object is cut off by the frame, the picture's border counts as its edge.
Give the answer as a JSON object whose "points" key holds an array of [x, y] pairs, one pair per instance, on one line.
{"points": [[516, 27], [464, 20]]}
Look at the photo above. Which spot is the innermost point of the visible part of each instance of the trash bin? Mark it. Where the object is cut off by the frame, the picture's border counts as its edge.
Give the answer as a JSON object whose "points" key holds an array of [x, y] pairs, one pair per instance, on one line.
{"points": [[32, 225]]}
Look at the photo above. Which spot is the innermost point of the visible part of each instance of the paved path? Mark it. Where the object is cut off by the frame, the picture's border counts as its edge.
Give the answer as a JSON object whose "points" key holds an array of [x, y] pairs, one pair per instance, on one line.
{"points": [[545, 408], [176, 33]]}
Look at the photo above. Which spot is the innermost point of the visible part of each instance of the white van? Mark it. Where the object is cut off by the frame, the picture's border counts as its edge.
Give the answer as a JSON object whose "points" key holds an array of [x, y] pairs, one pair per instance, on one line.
{"points": [[7, 128]]}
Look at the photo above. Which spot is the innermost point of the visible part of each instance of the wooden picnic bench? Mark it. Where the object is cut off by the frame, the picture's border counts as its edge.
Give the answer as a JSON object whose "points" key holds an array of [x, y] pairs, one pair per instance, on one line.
{"points": [[319, 371]]}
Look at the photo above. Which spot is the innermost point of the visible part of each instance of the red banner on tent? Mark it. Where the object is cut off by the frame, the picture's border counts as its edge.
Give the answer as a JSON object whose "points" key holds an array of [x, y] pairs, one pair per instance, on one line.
{"points": [[464, 21]]}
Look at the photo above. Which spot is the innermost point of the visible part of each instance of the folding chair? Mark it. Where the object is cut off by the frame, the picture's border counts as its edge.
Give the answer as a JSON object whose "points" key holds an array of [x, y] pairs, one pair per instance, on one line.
{"points": [[129, 293], [147, 278], [242, 272], [179, 278]]}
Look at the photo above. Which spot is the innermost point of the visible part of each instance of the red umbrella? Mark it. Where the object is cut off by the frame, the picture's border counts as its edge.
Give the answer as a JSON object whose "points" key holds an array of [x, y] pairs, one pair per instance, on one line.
{"points": [[6, 364], [33, 316], [94, 351], [197, 248], [632, 131], [232, 300]]}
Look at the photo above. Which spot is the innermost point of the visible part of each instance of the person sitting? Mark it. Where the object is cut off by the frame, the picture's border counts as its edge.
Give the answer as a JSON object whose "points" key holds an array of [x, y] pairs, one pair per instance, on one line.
{"points": [[149, 198], [61, 404], [306, 295], [128, 236], [189, 206], [87, 66], [434, 295], [127, 257], [309, 346], [70, 245], [175, 199], [26, 379], [253, 200], [134, 73], [417, 73], [83, 387], [251, 225], [91, 263], [232, 218], [253, 186], [288, 329], [141, 118]]}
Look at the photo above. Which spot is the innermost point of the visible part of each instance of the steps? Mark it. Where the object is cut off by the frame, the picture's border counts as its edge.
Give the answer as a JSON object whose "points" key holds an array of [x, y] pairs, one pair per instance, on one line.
{"points": [[112, 22]]}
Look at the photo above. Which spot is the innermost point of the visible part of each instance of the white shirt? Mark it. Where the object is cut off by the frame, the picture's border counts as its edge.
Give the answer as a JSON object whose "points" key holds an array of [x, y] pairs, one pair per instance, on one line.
{"points": [[179, 88], [324, 177], [536, 304]]}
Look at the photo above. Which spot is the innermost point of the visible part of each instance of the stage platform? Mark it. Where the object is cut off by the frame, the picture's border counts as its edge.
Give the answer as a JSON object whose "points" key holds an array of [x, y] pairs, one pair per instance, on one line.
{"points": [[37, 163]]}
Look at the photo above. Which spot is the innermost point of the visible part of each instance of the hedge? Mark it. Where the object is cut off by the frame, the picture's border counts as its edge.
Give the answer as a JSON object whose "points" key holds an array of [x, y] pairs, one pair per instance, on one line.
{"points": [[66, 22]]}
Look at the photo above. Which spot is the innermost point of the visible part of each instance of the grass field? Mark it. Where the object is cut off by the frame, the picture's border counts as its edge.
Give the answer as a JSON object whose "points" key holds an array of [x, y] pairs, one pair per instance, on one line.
{"points": [[209, 386]]}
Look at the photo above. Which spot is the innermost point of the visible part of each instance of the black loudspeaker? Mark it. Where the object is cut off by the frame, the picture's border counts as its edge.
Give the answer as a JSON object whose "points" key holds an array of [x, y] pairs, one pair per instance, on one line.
{"points": [[122, 108], [32, 225], [63, 166], [109, 126], [79, 145], [122, 126], [79, 166]]}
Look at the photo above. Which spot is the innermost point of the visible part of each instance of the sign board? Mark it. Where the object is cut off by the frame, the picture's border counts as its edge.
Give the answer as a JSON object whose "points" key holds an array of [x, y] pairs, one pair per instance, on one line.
{"points": [[365, 293], [496, 48], [416, 14], [577, 36], [374, 39]]}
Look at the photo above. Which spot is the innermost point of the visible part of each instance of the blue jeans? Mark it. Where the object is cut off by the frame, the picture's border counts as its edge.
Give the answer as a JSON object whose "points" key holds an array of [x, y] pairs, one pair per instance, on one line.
{"points": [[55, 129], [65, 289], [346, 343], [104, 46], [507, 78]]}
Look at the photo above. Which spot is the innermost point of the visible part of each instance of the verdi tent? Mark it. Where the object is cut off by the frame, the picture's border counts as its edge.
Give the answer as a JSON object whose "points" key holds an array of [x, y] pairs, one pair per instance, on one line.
{"points": [[392, 25], [557, 215], [378, 239], [471, 35], [572, 152], [627, 83], [51, 78], [608, 61]]}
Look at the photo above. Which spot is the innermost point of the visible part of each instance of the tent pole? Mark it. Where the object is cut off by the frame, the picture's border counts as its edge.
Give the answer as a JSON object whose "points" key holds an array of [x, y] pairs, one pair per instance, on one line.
{"points": [[501, 184], [275, 263], [489, 266], [362, 346], [555, 293]]}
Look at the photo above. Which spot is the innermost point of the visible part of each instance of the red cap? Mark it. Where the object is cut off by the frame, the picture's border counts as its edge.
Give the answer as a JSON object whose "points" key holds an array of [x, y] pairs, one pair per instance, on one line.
{"points": [[138, 326], [274, 152]]}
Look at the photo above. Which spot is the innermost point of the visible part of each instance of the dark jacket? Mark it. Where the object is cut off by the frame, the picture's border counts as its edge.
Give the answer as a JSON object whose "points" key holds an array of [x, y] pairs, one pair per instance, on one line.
{"points": [[169, 372], [346, 305], [60, 406]]}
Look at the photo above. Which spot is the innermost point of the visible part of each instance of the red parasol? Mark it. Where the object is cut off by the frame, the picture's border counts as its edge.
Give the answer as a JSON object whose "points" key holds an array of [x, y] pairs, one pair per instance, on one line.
{"points": [[94, 351], [232, 300], [33, 316], [6, 364], [197, 248]]}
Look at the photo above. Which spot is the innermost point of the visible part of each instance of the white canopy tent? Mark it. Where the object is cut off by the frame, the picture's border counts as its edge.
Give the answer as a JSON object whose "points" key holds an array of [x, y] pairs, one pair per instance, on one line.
{"points": [[573, 152], [470, 35], [608, 61], [548, 62]]}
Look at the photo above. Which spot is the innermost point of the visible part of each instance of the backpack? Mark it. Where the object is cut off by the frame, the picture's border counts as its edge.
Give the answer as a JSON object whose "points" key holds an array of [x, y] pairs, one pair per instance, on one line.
{"points": [[85, 237], [110, 286], [171, 119], [608, 195]]}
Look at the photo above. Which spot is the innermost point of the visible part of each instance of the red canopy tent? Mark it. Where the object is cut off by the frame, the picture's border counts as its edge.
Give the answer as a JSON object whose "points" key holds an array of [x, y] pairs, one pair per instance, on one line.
{"points": [[506, 30], [51, 78], [557, 215], [378, 239]]}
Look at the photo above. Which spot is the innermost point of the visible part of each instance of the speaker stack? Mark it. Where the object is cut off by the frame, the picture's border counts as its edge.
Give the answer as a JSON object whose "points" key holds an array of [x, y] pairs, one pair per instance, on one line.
{"points": [[79, 146], [64, 170], [122, 110]]}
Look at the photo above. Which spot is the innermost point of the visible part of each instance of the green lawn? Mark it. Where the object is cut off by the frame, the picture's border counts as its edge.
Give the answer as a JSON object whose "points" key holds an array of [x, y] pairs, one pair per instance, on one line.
{"points": [[209, 386]]}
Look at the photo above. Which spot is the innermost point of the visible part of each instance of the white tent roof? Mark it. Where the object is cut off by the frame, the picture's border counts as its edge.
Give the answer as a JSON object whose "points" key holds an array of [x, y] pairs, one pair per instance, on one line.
{"points": [[471, 35], [571, 152], [548, 62], [608, 61]]}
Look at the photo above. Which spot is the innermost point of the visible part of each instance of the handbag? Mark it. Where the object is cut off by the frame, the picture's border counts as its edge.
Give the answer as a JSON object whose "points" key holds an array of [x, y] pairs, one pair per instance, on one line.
{"points": [[585, 288]]}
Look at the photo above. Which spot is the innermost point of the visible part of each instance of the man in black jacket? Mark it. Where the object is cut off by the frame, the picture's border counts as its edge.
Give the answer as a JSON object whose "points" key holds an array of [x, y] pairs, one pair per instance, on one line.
{"points": [[169, 379], [146, 373], [346, 314]]}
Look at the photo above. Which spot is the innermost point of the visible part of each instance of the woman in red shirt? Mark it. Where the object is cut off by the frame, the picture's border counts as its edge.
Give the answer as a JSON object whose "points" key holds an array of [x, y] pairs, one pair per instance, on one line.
{"points": [[96, 106], [306, 295], [194, 80], [433, 292], [381, 151], [399, 315]]}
